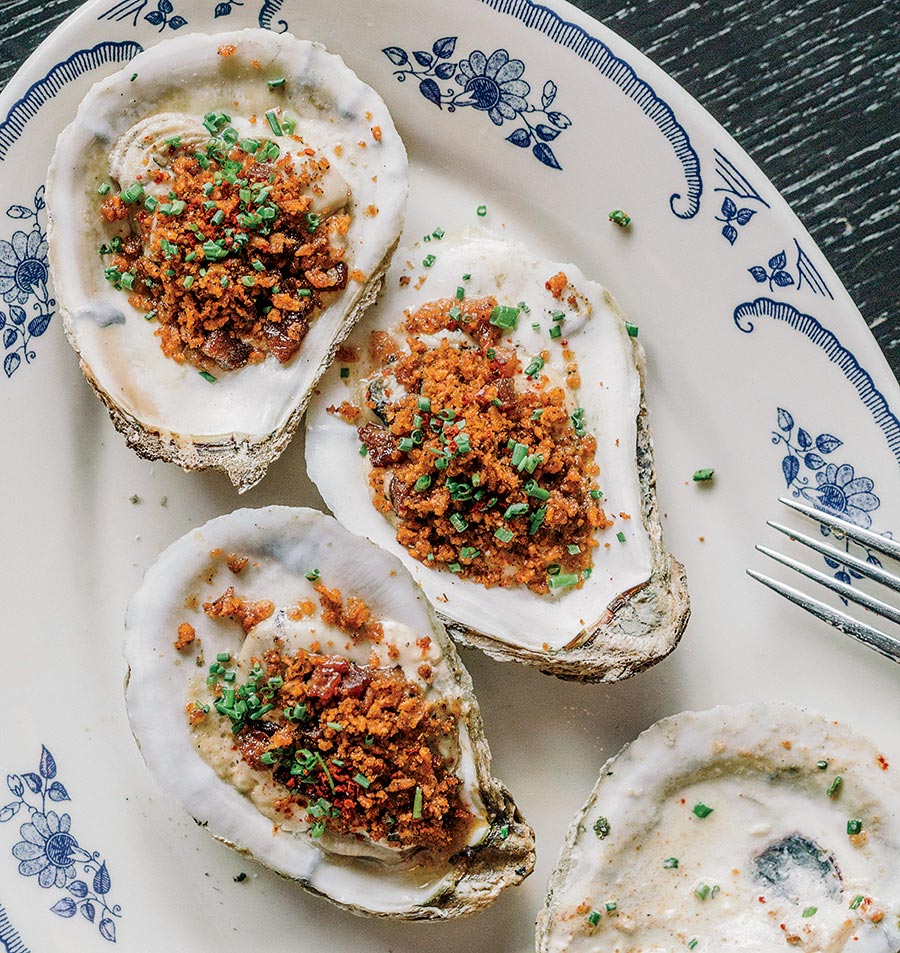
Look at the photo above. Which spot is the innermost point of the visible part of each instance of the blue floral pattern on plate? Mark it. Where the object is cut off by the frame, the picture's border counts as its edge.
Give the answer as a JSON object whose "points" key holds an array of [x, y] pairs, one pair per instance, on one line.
{"points": [[24, 280], [49, 851], [830, 487], [489, 83]]}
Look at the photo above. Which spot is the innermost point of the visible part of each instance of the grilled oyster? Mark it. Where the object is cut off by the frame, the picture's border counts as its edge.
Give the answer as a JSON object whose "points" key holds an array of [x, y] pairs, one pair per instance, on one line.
{"points": [[507, 458], [313, 713], [251, 192], [751, 828]]}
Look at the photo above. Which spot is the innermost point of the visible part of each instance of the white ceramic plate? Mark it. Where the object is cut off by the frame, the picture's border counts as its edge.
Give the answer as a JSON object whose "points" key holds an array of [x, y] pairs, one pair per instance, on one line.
{"points": [[761, 367]]}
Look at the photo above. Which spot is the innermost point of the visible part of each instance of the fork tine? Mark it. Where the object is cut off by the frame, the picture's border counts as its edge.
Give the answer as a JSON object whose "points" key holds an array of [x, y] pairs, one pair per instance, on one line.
{"points": [[835, 585], [860, 565], [864, 537], [884, 644]]}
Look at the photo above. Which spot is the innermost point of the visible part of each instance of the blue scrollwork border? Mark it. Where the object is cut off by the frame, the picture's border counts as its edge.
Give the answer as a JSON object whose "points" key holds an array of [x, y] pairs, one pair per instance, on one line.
{"points": [[40, 92], [597, 53], [10, 941], [858, 376]]}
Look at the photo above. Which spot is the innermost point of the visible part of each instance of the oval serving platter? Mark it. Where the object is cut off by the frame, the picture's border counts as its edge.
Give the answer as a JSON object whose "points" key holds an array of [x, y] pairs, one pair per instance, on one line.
{"points": [[760, 366]]}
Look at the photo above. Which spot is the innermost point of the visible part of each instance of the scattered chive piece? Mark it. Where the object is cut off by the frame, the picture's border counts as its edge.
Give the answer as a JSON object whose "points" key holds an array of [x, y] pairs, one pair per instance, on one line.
{"points": [[334, 725], [692, 944], [276, 83], [362, 780], [134, 76], [701, 891], [670, 863], [438, 233], [539, 493], [632, 329], [810, 911], [223, 657], [313, 575], [429, 260], [345, 372], [481, 211], [618, 217], [856, 901], [207, 377], [132, 193], [835, 787], [150, 315], [461, 525], [188, 281], [596, 494], [537, 414], [563, 581], [535, 367], [274, 124], [424, 404], [267, 757], [104, 188], [822, 765], [620, 536], [854, 826], [460, 293], [363, 450], [405, 444], [555, 332], [594, 917], [602, 827], [422, 483], [469, 552], [611, 906], [701, 810], [289, 125], [515, 509], [537, 517], [504, 832], [554, 569], [503, 316], [558, 316], [701, 476], [454, 567], [504, 534], [573, 548], [248, 281], [318, 829], [454, 313], [417, 804]]}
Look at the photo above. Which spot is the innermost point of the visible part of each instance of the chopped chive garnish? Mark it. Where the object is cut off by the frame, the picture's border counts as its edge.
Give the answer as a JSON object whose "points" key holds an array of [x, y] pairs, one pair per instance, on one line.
{"points": [[854, 826], [700, 476], [459, 522], [223, 657], [188, 281], [362, 780], [537, 414], [596, 494], [481, 211], [822, 765], [422, 483], [460, 293], [515, 509], [312, 575], [555, 332], [274, 124], [132, 193], [563, 581], [670, 863], [345, 373], [312, 221], [134, 76], [856, 902], [454, 313], [573, 548], [535, 367], [334, 725], [276, 83], [469, 552], [428, 261], [417, 804], [150, 315], [503, 316], [537, 517], [611, 906], [558, 316], [594, 917], [692, 944], [835, 787], [405, 444], [810, 912], [602, 827], [318, 829], [248, 281], [438, 233], [104, 188], [504, 535], [539, 493], [701, 810], [424, 404], [632, 329], [207, 377], [702, 891], [504, 832], [454, 567], [554, 569], [620, 536], [620, 218]]}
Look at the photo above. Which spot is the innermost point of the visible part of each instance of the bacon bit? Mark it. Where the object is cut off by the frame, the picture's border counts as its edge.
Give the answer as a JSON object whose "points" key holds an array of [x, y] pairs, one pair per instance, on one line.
{"points": [[361, 143], [882, 762], [761, 899], [876, 916], [346, 354], [305, 607], [424, 643], [256, 64], [235, 563], [338, 150], [227, 49], [195, 714], [860, 839], [355, 619], [376, 133], [113, 209], [625, 516], [393, 651], [420, 282], [425, 672], [404, 280], [186, 635], [358, 276], [230, 606], [787, 745], [348, 411], [381, 347], [557, 284], [371, 210], [315, 647], [368, 116]]}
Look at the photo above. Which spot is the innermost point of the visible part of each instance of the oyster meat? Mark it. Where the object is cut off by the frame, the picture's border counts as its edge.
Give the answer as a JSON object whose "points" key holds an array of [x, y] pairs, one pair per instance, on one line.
{"points": [[245, 192], [487, 424], [291, 687], [754, 828]]}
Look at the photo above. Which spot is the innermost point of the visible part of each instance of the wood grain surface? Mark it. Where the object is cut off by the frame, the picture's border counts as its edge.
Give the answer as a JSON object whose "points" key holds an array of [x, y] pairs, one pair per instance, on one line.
{"points": [[810, 88]]}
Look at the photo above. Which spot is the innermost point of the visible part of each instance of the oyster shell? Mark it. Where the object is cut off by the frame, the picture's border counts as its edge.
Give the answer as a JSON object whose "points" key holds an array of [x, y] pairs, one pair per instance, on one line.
{"points": [[750, 828], [624, 611], [296, 806], [127, 130]]}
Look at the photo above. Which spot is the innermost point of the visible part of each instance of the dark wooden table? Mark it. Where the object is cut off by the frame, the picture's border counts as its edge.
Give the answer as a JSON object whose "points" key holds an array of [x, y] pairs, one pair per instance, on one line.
{"points": [[810, 88]]}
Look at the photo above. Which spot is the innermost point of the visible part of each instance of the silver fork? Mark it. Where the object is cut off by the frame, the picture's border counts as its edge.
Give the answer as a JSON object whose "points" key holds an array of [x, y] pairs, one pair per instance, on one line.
{"points": [[885, 644]]}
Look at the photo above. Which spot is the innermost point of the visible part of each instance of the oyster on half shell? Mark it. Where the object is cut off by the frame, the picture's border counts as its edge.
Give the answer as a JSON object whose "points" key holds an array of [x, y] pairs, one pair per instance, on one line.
{"points": [[314, 715], [756, 828], [256, 112], [507, 457]]}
